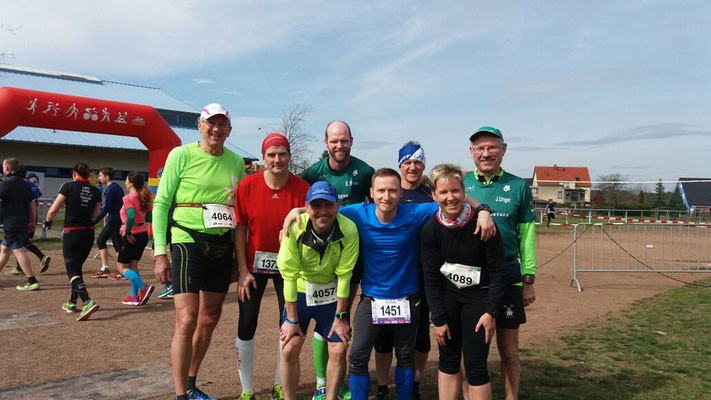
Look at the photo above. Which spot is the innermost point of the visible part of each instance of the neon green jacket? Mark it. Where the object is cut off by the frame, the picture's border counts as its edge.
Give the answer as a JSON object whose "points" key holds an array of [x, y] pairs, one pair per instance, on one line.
{"points": [[299, 259]]}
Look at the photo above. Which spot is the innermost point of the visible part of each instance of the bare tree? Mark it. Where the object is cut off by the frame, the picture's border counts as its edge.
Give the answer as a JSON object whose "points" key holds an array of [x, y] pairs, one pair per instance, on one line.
{"points": [[612, 187], [12, 30], [292, 127]]}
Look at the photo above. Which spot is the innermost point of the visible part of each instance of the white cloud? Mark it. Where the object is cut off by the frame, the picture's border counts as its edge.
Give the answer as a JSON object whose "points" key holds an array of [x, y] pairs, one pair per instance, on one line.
{"points": [[203, 81]]}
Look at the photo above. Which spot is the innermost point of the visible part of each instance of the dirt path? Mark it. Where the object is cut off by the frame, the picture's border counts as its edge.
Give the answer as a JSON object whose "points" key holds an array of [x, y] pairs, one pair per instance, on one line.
{"points": [[124, 350]]}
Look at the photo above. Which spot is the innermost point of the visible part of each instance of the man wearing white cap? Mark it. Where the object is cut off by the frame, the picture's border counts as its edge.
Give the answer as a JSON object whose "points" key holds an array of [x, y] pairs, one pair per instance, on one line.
{"points": [[201, 179]]}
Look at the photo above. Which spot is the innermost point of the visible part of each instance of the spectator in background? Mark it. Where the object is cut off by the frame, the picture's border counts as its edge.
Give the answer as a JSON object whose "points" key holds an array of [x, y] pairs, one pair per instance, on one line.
{"points": [[44, 260], [113, 200], [18, 214]]}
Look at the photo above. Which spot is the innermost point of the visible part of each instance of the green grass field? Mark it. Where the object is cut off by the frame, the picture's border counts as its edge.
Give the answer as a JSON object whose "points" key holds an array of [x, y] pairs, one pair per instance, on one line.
{"points": [[659, 348]]}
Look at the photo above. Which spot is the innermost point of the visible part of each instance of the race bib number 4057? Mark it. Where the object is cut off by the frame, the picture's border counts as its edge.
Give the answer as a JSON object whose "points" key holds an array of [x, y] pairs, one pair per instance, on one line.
{"points": [[320, 293], [390, 311], [219, 216]]}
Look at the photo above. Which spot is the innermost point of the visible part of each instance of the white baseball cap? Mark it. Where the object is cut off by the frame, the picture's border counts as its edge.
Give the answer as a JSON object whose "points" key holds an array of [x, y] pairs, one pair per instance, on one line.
{"points": [[213, 109]]}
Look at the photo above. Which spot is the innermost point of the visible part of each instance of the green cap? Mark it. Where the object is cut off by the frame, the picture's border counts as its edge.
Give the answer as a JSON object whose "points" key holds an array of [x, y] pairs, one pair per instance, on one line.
{"points": [[486, 130]]}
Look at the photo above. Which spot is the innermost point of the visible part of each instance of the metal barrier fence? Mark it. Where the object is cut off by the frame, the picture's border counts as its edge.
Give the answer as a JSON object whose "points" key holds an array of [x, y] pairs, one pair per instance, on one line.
{"points": [[606, 247], [575, 215]]}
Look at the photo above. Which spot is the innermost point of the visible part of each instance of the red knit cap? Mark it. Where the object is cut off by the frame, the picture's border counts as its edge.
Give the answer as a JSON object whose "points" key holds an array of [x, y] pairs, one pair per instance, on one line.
{"points": [[275, 139]]}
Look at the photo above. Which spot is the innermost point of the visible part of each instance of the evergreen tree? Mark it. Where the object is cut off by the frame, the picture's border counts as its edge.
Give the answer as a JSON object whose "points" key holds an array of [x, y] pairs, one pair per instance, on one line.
{"points": [[641, 198], [658, 196], [675, 201]]}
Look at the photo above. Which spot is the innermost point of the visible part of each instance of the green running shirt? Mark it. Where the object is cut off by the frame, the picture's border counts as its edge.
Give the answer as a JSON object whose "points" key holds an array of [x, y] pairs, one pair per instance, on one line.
{"points": [[352, 183], [191, 175], [510, 198]]}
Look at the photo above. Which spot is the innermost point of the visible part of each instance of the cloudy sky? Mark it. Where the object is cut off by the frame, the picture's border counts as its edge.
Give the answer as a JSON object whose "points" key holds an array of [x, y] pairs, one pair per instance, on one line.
{"points": [[617, 86]]}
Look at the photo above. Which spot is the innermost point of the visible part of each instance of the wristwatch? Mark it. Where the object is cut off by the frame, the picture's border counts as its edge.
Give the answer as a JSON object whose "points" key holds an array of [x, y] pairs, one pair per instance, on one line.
{"points": [[528, 278], [345, 315], [484, 207]]}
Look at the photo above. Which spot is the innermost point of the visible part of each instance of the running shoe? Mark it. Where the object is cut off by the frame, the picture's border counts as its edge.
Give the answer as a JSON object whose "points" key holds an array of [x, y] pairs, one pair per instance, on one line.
{"points": [[69, 307], [198, 394], [87, 310], [167, 292], [145, 294], [277, 393], [247, 395], [320, 393], [344, 393], [131, 301], [116, 277], [102, 273], [15, 271], [382, 396], [28, 286], [45, 263]]}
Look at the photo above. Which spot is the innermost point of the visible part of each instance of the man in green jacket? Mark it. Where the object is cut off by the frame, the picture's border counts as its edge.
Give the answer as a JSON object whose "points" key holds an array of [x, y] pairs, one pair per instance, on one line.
{"points": [[316, 262], [512, 202]]}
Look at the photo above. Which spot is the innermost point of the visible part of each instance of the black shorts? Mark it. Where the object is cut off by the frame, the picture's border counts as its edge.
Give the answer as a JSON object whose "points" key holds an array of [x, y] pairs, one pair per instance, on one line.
{"points": [[192, 273], [132, 251], [14, 239], [511, 314], [111, 230], [386, 342]]}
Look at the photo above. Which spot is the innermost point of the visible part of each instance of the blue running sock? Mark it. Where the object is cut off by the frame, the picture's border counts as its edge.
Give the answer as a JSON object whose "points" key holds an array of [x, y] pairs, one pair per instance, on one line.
{"points": [[360, 386], [136, 282], [404, 378]]}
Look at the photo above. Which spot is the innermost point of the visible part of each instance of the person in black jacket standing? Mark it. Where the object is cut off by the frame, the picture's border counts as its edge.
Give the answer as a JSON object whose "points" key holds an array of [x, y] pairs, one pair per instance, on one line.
{"points": [[464, 286], [18, 213]]}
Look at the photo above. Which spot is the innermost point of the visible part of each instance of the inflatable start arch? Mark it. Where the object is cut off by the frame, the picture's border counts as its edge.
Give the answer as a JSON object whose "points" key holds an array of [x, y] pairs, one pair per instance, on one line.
{"points": [[22, 107]]}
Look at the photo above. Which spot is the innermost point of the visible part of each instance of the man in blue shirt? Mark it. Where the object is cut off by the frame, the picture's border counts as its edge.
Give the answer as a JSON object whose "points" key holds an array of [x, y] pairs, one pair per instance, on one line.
{"points": [[113, 200], [391, 292]]}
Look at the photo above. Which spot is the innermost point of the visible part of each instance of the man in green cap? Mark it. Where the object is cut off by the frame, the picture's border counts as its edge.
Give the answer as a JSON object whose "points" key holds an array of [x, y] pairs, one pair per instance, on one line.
{"points": [[512, 202]]}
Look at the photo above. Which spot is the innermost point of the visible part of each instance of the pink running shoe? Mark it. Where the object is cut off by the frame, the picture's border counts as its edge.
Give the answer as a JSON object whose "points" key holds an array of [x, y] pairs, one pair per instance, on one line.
{"points": [[102, 273], [116, 277], [144, 294], [131, 301]]}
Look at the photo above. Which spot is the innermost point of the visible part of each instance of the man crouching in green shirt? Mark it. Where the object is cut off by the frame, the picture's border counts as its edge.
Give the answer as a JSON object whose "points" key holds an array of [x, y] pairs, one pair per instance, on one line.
{"points": [[316, 262]]}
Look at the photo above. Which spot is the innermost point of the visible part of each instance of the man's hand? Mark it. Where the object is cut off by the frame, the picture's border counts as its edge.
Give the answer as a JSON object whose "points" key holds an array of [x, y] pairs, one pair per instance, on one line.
{"points": [[31, 227], [485, 225], [288, 331], [529, 294], [161, 268], [131, 239], [291, 217], [341, 328], [47, 225], [442, 333], [245, 280], [489, 324]]}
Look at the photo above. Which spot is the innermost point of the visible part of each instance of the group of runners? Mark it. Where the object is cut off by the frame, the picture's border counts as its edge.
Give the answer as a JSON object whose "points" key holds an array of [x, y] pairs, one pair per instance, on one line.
{"points": [[420, 255], [347, 226]]}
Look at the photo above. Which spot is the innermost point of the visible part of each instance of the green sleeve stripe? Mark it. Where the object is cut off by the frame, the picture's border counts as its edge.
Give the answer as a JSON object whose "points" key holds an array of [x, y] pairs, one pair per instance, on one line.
{"points": [[527, 233]]}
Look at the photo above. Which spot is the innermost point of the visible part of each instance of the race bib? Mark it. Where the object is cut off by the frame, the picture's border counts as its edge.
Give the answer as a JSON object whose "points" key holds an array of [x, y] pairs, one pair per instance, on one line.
{"points": [[218, 216], [265, 263], [390, 311], [461, 275], [320, 293]]}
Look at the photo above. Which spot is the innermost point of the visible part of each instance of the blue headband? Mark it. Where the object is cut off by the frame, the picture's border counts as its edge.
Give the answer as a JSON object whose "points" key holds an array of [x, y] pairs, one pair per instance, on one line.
{"points": [[411, 152]]}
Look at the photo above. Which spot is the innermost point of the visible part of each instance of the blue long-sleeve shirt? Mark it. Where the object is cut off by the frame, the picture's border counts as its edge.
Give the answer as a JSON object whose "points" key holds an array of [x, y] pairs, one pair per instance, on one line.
{"points": [[113, 200]]}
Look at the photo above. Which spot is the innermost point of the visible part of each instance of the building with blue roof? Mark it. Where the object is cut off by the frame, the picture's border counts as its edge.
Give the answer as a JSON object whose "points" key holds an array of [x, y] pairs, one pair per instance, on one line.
{"points": [[51, 153]]}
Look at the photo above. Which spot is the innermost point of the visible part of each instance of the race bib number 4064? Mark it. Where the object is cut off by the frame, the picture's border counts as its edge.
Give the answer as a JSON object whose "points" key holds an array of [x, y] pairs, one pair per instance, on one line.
{"points": [[219, 216], [390, 311], [265, 262]]}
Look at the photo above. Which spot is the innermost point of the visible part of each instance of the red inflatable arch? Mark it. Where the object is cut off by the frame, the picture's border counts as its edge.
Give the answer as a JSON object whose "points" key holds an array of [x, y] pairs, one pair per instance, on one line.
{"points": [[22, 107]]}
